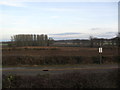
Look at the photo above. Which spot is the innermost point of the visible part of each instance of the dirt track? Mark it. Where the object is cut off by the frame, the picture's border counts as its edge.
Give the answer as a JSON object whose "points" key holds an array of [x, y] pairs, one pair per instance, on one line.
{"points": [[60, 70]]}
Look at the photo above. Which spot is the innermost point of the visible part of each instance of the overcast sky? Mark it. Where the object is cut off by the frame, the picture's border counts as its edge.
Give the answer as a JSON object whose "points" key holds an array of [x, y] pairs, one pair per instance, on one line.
{"points": [[59, 19]]}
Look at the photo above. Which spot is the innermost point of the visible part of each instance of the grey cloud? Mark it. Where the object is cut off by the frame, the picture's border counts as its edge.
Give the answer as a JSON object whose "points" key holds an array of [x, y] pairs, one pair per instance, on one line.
{"points": [[94, 29], [68, 33]]}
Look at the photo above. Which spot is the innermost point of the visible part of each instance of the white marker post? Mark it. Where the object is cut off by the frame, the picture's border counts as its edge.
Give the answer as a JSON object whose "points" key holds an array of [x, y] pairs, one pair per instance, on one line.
{"points": [[100, 52]]}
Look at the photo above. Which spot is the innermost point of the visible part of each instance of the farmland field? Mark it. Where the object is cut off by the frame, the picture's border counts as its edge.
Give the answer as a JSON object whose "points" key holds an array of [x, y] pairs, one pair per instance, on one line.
{"points": [[42, 65], [56, 55], [58, 51]]}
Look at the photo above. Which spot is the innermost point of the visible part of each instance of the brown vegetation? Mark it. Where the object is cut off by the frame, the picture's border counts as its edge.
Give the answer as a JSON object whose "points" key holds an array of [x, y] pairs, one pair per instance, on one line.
{"points": [[66, 80], [58, 51], [56, 55]]}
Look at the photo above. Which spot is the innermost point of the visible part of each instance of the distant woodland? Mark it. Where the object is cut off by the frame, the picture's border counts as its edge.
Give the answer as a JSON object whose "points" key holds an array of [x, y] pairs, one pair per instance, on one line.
{"points": [[44, 40], [31, 40]]}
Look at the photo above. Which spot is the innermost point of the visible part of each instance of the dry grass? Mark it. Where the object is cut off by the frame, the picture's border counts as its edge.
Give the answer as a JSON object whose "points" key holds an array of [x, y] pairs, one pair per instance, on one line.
{"points": [[66, 80], [56, 55], [58, 51]]}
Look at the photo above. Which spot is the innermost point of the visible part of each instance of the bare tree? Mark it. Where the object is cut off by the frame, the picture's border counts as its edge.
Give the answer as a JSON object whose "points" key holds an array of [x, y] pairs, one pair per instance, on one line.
{"points": [[91, 41]]}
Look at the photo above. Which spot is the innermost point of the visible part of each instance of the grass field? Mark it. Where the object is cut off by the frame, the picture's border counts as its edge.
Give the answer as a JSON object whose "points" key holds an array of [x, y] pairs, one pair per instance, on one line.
{"points": [[58, 51], [67, 67], [56, 55]]}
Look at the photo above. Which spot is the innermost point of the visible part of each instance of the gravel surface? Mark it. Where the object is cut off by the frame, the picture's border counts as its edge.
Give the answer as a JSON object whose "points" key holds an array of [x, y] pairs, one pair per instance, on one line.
{"points": [[59, 70]]}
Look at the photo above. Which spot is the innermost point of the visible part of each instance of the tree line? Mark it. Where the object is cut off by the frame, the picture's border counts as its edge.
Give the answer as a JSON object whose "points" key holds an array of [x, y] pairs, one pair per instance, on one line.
{"points": [[31, 40]]}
